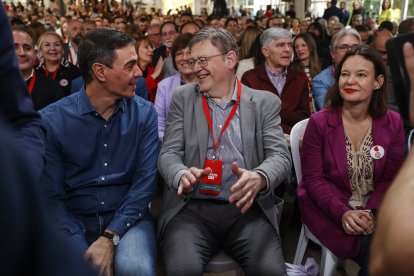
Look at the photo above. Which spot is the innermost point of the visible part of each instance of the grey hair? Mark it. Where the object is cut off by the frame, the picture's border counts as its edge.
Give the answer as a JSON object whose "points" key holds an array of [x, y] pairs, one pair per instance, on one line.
{"points": [[342, 33], [273, 34], [221, 39]]}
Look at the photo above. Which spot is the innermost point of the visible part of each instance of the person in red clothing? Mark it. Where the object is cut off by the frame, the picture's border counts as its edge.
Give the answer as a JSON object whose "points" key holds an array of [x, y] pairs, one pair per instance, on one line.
{"points": [[274, 76], [150, 73]]}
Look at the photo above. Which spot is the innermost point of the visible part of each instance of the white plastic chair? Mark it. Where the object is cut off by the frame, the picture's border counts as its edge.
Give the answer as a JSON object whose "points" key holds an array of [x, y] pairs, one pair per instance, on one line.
{"points": [[328, 259], [410, 139]]}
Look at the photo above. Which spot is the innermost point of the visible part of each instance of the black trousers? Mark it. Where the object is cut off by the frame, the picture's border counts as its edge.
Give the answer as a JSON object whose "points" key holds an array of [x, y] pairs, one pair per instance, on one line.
{"points": [[204, 227]]}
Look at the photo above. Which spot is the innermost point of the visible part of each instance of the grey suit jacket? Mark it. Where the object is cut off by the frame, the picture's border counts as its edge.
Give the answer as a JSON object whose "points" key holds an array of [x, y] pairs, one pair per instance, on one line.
{"points": [[186, 139]]}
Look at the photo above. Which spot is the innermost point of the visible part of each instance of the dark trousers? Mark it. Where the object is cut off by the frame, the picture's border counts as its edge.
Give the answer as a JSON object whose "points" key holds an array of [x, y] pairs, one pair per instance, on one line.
{"points": [[363, 257], [204, 227]]}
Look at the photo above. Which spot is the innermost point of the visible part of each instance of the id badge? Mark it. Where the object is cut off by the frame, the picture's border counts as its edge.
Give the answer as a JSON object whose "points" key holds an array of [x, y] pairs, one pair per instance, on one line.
{"points": [[211, 184]]}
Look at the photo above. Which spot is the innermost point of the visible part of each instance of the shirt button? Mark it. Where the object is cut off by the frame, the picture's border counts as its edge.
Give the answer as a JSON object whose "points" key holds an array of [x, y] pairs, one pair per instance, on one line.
{"points": [[105, 145], [139, 214], [102, 178], [222, 147], [220, 126], [96, 114], [102, 203], [105, 125], [105, 164], [128, 224]]}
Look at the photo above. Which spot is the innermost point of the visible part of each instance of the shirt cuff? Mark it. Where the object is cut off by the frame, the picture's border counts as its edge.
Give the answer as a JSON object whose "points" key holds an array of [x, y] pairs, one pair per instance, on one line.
{"points": [[177, 178], [121, 223]]}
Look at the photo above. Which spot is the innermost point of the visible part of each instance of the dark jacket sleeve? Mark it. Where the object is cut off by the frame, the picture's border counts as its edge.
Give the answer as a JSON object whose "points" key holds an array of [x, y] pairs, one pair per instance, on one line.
{"points": [[16, 106]]}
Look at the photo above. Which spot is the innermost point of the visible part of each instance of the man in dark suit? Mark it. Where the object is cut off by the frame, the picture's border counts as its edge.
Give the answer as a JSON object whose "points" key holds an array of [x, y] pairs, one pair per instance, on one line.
{"points": [[43, 90], [332, 10], [223, 154], [76, 32], [16, 106]]}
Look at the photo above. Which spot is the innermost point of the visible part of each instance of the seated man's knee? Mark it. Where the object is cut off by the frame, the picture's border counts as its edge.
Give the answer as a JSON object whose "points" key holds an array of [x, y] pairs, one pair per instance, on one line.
{"points": [[134, 266]]}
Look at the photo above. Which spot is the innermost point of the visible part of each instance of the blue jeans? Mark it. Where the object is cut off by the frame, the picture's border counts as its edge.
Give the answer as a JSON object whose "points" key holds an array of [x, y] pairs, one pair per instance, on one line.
{"points": [[135, 253]]}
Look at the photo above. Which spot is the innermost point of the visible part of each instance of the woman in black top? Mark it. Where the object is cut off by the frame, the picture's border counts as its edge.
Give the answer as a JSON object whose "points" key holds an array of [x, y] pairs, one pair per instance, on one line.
{"points": [[52, 64]]}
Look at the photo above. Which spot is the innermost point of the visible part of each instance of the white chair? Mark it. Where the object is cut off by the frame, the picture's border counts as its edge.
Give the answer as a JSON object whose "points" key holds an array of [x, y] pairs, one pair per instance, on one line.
{"points": [[410, 139], [328, 259], [223, 263]]}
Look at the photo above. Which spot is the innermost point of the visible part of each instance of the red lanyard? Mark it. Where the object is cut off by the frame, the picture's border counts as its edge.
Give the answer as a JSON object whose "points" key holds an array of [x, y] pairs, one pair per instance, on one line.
{"points": [[54, 73], [32, 83], [333, 71], [226, 123]]}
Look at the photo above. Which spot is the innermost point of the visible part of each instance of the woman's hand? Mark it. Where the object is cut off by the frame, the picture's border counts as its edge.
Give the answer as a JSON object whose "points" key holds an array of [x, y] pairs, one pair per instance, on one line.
{"points": [[358, 222], [158, 68]]}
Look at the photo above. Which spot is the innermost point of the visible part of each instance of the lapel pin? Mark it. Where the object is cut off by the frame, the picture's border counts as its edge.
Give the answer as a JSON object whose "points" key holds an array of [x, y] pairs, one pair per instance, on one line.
{"points": [[377, 152]]}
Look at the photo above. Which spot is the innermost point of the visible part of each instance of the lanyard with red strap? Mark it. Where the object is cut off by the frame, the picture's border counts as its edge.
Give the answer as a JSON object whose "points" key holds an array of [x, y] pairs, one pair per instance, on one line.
{"points": [[333, 71], [226, 123], [32, 83], [54, 73], [71, 58]]}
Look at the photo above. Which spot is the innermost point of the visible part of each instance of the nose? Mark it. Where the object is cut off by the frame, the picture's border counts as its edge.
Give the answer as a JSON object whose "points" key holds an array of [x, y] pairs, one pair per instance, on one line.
{"points": [[137, 72]]}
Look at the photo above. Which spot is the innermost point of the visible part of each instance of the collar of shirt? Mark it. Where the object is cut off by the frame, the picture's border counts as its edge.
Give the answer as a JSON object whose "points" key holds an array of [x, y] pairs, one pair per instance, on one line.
{"points": [[31, 75], [232, 100], [273, 74], [85, 107]]}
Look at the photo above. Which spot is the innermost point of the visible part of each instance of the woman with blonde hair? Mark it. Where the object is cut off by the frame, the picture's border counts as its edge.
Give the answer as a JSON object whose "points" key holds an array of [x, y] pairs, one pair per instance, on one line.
{"points": [[52, 63]]}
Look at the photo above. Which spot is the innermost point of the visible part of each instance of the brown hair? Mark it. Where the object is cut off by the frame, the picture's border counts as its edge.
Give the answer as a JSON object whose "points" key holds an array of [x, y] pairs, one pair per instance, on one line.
{"points": [[378, 103], [314, 64]]}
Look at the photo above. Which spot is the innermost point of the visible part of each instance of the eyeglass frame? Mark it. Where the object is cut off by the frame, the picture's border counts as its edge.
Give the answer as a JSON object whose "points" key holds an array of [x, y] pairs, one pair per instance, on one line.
{"points": [[202, 63], [345, 47]]}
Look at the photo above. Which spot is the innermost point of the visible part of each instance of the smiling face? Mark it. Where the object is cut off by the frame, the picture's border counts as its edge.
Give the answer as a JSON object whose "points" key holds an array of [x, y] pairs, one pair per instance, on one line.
{"points": [[278, 53], [25, 52], [210, 77], [51, 48], [121, 77], [357, 81], [181, 58]]}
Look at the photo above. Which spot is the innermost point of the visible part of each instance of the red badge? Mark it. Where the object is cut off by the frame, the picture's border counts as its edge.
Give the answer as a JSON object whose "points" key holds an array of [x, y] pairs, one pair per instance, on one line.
{"points": [[211, 183]]}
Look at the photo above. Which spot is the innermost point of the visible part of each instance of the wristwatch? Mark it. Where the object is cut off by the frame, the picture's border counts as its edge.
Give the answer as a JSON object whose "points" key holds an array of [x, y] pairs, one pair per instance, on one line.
{"points": [[114, 238]]}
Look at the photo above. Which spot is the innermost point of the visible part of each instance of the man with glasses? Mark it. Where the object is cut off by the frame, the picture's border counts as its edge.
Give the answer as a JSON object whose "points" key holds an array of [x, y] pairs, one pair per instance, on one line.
{"points": [[169, 32], [340, 44], [223, 155], [154, 35]]}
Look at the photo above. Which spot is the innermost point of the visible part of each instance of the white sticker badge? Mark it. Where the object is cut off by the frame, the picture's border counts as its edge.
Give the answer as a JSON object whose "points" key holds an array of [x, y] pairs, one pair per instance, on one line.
{"points": [[377, 152]]}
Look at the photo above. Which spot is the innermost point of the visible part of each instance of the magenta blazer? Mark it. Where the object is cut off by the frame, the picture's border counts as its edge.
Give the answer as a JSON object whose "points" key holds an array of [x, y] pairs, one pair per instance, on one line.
{"points": [[324, 191]]}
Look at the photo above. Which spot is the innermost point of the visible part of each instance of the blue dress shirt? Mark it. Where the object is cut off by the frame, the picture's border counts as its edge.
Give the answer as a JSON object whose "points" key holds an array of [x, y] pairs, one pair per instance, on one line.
{"points": [[97, 166], [320, 86]]}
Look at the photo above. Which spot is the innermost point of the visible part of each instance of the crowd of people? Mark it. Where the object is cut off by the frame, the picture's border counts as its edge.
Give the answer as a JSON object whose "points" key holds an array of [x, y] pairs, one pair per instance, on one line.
{"points": [[205, 105]]}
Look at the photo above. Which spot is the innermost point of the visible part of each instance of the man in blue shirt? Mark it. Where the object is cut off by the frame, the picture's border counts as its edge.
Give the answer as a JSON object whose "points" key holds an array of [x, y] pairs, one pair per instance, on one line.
{"points": [[101, 155]]}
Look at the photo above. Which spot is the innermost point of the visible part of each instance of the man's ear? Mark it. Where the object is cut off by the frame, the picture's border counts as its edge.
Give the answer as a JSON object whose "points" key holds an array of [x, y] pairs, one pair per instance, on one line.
{"points": [[98, 71], [231, 59], [265, 52]]}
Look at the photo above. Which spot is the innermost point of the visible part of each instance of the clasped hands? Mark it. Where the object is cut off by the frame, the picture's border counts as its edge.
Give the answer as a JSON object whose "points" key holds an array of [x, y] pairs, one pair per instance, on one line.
{"points": [[358, 222], [244, 191]]}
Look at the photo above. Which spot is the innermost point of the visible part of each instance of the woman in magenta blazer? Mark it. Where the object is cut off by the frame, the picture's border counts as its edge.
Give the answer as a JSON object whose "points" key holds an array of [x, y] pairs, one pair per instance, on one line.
{"points": [[350, 154]]}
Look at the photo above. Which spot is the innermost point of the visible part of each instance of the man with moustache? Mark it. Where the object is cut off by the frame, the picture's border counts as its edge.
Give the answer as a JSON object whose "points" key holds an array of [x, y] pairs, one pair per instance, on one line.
{"points": [[275, 76], [98, 190], [43, 90], [222, 156], [169, 32], [75, 32]]}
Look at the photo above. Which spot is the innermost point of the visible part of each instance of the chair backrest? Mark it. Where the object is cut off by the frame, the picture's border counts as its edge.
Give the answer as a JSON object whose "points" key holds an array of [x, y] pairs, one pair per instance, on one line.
{"points": [[296, 135], [410, 139]]}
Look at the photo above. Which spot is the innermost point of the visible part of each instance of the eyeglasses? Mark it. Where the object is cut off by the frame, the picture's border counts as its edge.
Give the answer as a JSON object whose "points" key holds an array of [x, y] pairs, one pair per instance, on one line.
{"points": [[202, 61], [345, 47], [157, 34], [169, 33]]}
